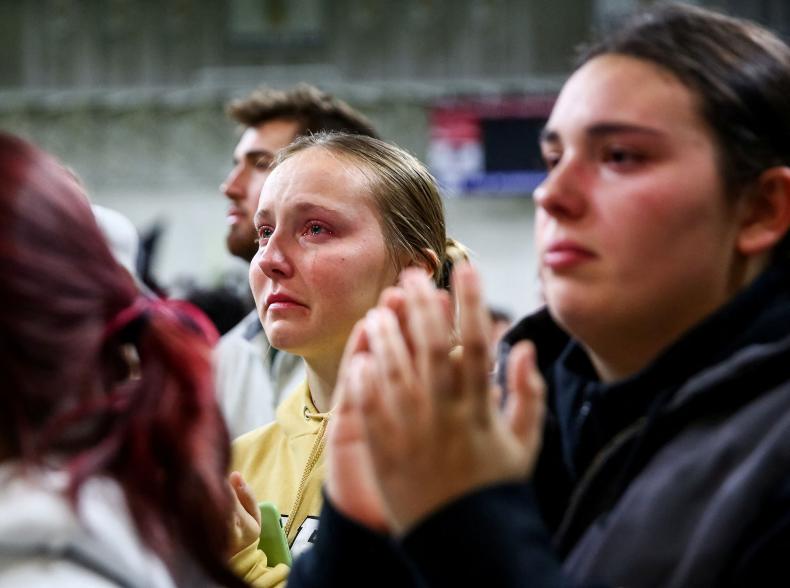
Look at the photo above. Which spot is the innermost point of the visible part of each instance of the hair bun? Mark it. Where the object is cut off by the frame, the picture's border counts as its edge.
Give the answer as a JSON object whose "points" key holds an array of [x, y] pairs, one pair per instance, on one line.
{"points": [[454, 252]]}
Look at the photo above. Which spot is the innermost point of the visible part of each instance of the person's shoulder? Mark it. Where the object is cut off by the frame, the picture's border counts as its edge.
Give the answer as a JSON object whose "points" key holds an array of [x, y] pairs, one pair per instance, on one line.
{"points": [[252, 442], [255, 437], [247, 331], [42, 536], [241, 353], [258, 450], [44, 573]]}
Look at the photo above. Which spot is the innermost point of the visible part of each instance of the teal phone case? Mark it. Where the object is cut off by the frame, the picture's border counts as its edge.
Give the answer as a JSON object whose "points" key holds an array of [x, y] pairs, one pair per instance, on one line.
{"points": [[273, 541]]}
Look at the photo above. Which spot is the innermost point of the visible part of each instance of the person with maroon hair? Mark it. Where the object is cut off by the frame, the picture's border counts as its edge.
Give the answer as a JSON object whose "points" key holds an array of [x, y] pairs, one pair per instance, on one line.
{"points": [[112, 449]]}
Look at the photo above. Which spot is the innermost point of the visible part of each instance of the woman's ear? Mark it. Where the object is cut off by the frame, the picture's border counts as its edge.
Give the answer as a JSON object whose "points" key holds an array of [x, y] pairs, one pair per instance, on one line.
{"points": [[429, 267], [766, 213]]}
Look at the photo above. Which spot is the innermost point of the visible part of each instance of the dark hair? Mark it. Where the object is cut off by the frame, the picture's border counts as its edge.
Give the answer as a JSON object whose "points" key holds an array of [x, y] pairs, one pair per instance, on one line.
{"points": [[739, 72], [499, 315], [135, 402], [221, 304], [313, 109], [411, 211]]}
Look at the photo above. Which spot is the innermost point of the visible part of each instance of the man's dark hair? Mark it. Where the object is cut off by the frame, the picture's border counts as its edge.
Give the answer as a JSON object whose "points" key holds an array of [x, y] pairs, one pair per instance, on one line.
{"points": [[312, 108]]}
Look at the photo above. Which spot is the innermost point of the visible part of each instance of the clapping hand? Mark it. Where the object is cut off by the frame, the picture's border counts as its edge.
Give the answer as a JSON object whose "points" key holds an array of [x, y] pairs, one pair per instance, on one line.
{"points": [[426, 424]]}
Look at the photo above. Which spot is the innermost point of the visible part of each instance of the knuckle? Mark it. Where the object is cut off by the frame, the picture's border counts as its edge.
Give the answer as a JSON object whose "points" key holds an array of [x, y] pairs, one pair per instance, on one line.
{"points": [[415, 396], [437, 351], [393, 373], [475, 347], [369, 403]]}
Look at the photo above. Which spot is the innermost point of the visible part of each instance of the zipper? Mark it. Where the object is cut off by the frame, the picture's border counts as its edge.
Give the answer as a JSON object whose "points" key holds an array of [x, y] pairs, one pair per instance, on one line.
{"points": [[592, 471]]}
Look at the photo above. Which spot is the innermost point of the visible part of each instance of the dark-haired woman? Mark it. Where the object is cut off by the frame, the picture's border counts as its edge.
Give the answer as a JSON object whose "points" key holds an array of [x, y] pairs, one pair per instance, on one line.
{"points": [[112, 450], [662, 235]]}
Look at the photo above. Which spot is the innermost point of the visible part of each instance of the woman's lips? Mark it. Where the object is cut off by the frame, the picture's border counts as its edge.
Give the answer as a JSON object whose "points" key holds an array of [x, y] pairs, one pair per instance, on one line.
{"points": [[282, 302], [565, 254]]}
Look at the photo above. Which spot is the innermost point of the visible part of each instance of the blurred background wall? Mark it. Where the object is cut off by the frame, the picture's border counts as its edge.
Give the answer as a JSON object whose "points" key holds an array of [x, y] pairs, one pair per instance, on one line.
{"points": [[130, 94]]}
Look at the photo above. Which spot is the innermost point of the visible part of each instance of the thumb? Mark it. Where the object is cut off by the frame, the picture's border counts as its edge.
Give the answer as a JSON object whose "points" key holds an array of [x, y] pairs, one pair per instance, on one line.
{"points": [[245, 495]]}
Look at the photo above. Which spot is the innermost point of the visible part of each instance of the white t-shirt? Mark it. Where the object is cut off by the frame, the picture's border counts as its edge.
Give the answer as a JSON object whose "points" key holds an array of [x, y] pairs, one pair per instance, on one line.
{"points": [[251, 377]]}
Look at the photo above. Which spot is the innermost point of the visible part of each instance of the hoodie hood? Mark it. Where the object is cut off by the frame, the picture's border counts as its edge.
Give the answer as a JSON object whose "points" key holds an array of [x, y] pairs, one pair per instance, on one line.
{"points": [[38, 524]]}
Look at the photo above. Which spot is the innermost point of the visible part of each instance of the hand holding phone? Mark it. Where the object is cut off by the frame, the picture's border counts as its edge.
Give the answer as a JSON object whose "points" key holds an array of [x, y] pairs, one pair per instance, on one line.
{"points": [[273, 541]]}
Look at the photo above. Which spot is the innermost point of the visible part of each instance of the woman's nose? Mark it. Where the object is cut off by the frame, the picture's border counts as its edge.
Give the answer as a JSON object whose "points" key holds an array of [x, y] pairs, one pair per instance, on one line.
{"points": [[563, 193], [274, 260]]}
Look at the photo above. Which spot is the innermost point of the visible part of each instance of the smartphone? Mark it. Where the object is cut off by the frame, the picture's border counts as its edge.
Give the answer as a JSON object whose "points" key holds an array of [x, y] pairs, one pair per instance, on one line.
{"points": [[273, 541]]}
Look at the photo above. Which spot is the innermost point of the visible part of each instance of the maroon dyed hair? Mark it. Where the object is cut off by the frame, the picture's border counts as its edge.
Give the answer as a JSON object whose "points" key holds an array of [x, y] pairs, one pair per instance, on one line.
{"points": [[66, 394]]}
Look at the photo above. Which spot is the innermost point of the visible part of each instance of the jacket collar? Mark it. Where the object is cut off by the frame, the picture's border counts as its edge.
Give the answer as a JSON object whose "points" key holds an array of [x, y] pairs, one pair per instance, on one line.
{"points": [[589, 412]]}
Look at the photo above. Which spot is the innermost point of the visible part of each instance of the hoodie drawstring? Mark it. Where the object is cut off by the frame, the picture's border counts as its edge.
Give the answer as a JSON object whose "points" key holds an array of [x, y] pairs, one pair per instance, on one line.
{"points": [[315, 454]]}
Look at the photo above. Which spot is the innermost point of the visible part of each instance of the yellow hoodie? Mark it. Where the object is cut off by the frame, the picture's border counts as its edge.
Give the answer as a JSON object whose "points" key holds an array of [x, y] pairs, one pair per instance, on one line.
{"points": [[283, 462]]}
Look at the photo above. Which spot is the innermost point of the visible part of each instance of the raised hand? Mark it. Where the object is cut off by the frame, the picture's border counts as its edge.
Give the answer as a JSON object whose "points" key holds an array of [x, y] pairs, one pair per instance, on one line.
{"points": [[433, 429]]}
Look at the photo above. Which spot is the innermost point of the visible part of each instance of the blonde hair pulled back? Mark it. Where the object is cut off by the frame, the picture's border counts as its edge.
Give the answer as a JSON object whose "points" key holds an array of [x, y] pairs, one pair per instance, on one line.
{"points": [[411, 211]]}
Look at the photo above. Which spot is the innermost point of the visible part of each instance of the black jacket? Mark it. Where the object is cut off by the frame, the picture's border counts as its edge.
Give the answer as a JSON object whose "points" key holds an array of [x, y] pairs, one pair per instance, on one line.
{"points": [[677, 476]]}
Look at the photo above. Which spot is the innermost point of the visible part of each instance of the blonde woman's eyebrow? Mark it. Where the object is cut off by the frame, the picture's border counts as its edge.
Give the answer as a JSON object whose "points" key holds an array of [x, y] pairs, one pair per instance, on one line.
{"points": [[300, 207]]}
